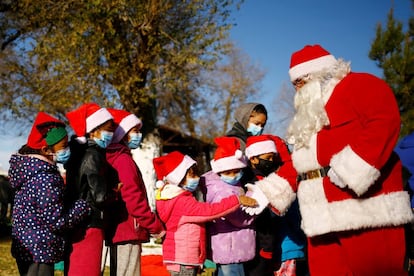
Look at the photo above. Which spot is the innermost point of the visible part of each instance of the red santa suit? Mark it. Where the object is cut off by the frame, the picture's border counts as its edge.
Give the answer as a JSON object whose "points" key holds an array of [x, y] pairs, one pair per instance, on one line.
{"points": [[356, 228]]}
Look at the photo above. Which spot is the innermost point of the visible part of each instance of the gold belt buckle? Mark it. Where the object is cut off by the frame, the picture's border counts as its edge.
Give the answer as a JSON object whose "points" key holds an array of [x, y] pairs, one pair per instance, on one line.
{"points": [[313, 174]]}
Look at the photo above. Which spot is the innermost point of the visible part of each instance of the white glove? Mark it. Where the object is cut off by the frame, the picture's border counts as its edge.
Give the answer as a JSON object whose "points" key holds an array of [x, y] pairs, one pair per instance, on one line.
{"points": [[262, 201], [335, 179]]}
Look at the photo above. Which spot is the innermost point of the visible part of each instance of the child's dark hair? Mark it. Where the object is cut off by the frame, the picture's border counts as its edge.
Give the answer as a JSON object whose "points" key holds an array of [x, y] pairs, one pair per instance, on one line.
{"points": [[25, 149], [260, 109]]}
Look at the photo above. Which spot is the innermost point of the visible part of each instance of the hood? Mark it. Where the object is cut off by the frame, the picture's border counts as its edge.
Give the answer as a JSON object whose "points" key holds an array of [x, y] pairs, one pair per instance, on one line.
{"points": [[25, 167], [115, 150], [169, 191], [243, 112], [407, 141], [166, 199]]}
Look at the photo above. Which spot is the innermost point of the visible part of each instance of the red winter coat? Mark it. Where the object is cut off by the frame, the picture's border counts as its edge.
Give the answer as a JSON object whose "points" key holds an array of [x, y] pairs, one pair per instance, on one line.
{"points": [[185, 217], [136, 220], [358, 146]]}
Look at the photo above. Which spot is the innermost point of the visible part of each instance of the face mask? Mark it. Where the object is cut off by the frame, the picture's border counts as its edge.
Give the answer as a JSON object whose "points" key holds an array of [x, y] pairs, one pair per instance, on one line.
{"points": [[105, 140], [254, 129], [191, 184], [266, 166], [134, 140], [232, 180], [62, 156]]}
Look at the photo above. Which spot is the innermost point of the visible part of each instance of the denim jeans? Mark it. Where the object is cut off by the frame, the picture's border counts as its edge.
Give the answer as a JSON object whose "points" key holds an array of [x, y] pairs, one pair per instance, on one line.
{"points": [[230, 269]]}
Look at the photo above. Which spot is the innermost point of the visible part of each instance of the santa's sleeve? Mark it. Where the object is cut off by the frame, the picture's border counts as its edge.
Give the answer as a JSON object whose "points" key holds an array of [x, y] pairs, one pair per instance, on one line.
{"points": [[359, 163], [280, 187]]}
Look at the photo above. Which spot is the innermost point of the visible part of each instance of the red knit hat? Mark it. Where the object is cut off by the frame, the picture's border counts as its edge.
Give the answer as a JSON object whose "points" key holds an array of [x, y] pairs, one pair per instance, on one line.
{"points": [[86, 118], [124, 121], [228, 155], [261, 144], [310, 59], [42, 125], [172, 167]]}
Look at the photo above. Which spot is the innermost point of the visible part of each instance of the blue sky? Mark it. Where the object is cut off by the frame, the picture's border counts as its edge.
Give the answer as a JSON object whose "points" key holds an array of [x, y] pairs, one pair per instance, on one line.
{"points": [[269, 31]]}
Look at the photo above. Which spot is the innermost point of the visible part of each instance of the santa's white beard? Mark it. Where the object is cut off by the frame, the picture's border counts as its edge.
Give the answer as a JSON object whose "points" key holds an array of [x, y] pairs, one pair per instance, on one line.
{"points": [[310, 114]]}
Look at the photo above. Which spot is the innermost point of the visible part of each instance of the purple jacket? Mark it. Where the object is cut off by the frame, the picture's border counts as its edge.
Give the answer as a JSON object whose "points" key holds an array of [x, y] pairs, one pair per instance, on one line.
{"points": [[232, 237]]}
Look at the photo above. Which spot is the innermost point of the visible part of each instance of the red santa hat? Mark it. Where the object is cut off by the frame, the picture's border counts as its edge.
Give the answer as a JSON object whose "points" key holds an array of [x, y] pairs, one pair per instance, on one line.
{"points": [[228, 155], [124, 121], [261, 144], [42, 125], [86, 118], [310, 59], [172, 167]]}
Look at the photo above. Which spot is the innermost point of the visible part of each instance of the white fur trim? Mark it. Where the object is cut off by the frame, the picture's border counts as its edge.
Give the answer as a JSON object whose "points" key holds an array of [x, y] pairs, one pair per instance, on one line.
{"points": [[97, 118], [278, 191], [125, 125], [320, 216], [305, 159], [259, 148], [81, 139], [227, 163], [178, 174], [354, 171], [311, 66]]}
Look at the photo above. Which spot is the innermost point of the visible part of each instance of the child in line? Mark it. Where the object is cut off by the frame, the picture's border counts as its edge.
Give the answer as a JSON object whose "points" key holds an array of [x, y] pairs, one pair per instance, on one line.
{"points": [[39, 219], [232, 237], [131, 219], [250, 119], [184, 247], [87, 178], [275, 234]]}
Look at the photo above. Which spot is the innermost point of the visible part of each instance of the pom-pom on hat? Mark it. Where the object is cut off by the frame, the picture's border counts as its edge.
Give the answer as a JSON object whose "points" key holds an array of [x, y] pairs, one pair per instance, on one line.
{"points": [[228, 155], [310, 59], [124, 121], [261, 144], [86, 118], [172, 167], [46, 130]]}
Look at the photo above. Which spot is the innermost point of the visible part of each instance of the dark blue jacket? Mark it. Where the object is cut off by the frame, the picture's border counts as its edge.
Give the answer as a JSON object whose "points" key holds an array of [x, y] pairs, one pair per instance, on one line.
{"points": [[38, 220], [405, 150]]}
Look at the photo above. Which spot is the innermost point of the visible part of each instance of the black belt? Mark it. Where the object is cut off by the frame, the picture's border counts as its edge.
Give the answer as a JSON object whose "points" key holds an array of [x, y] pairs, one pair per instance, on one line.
{"points": [[322, 172]]}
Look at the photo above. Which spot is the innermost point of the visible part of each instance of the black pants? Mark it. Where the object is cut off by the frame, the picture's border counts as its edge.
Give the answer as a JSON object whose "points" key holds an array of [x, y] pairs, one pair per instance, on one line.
{"points": [[35, 269]]}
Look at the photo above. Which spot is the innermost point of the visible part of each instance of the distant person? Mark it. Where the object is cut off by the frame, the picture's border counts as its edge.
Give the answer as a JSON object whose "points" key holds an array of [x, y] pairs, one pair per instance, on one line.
{"points": [[232, 237], [130, 218], [351, 197], [184, 247], [280, 243], [250, 120], [39, 219], [87, 178], [405, 150]]}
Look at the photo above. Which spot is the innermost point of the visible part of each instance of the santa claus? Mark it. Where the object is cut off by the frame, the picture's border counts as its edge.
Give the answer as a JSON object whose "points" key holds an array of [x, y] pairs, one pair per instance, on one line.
{"points": [[349, 186]]}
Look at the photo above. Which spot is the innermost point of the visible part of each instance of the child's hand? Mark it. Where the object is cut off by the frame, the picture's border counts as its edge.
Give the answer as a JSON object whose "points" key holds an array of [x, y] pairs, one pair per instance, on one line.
{"points": [[247, 201]]}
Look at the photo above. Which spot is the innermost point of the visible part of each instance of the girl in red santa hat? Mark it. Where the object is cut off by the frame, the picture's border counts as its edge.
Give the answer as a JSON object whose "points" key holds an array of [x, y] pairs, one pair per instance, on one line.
{"points": [[280, 243], [39, 217], [87, 178], [131, 219], [350, 191], [184, 247]]}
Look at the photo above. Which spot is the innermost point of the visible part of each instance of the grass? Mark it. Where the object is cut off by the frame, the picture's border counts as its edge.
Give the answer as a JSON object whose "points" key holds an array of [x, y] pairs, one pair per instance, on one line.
{"points": [[8, 263]]}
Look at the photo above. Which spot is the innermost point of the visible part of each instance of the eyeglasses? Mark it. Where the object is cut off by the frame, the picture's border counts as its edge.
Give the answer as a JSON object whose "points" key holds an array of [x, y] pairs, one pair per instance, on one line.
{"points": [[299, 82]]}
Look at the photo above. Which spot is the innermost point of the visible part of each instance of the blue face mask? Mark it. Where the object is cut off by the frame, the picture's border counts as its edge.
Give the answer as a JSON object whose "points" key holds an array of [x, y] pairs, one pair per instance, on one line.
{"points": [[191, 184], [134, 140], [232, 180], [254, 129], [105, 140], [63, 155]]}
